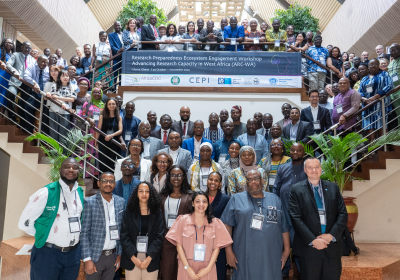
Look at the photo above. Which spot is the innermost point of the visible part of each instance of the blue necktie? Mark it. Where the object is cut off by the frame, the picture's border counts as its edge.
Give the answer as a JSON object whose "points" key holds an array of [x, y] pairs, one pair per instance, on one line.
{"points": [[266, 134], [41, 79], [146, 140], [319, 205]]}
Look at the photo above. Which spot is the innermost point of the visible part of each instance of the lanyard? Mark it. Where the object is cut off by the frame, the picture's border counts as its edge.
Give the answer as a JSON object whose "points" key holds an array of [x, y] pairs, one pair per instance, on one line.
{"points": [[159, 187], [176, 159], [195, 228], [177, 206], [262, 203], [208, 170], [66, 205], [108, 212]]}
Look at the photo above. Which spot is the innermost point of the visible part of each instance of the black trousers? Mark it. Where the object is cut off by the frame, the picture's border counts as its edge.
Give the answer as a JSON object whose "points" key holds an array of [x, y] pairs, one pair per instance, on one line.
{"points": [[105, 156], [320, 268], [12, 96]]}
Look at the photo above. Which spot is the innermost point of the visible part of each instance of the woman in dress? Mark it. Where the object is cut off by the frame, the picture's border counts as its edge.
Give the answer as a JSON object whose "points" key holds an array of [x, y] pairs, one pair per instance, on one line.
{"points": [[273, 160], [6, 50], [237, 179], [231, 163], [131, 35], [83, 95], [159, 168], [142, 218], [218, 201], [198, 172], [254, 34], [171, 36], [377, 84], [335, 64], [176, 199], [198, 237], [190, 37], [101, 53]]}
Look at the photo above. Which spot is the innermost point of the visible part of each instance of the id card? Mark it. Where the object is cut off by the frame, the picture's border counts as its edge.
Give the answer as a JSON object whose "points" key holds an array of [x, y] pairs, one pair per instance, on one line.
{"points": [[277, 43], [114, 235], [369, 88], [339, 109], [272, 180], [78, 109], [395, 78], [171, 220], [207, 47], [317, 125], [322, 58], [96, 116], [87, 69], [170, 49], [74, 224], [199, 252], [304, 60], [272, 214], [204, 179], [256, 40], [233, 41], [141, 244], [99, 58], [128, 135], [322, 219], [257, 221], [190, 49]]}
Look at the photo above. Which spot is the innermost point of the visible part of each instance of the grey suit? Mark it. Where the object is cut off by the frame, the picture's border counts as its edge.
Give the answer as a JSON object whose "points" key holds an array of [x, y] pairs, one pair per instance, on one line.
{"points": [[177, 126], [17, 63], [155, 145], [184, 157]]}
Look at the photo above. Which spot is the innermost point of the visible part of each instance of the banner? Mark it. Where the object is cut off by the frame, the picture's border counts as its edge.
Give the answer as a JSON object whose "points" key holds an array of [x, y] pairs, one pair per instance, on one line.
{"points": [[211, 69]]}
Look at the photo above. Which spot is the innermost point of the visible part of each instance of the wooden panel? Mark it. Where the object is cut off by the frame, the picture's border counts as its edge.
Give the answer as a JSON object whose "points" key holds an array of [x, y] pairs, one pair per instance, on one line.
{"points": [[265, 8]]}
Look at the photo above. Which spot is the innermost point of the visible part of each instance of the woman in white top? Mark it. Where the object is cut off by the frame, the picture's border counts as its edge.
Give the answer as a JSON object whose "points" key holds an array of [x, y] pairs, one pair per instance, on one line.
{"points": [[102, 52], [190, 37], [160, 165], [172, 36], [62, 92], [143, 166], [131, 36]]}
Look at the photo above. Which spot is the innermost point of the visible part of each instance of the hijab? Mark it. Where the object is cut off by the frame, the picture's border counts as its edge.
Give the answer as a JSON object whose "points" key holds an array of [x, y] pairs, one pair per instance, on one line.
{"points": [[253, 165], [98, 103]]}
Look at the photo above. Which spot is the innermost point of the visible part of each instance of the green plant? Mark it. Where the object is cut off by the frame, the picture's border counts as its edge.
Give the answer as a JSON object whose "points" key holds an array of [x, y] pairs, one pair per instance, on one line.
{"points": [[308, 150], [336, 152], [298, 16], [391, 138], [143, 8], [56, 153]]}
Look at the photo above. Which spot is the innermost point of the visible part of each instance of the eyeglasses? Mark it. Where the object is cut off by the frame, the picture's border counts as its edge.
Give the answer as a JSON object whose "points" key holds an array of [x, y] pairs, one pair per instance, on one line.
{"points": [[75, 168], [276, 145], [162, 162], [128, 165], [198, 127], [144, 128], [136, 146], [84, 85], [253, 179], [104, 181], [176, 175]]}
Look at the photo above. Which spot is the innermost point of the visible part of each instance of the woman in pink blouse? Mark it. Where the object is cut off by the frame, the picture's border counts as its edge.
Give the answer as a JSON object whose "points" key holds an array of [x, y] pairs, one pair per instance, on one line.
{"points": [[198, 237]]}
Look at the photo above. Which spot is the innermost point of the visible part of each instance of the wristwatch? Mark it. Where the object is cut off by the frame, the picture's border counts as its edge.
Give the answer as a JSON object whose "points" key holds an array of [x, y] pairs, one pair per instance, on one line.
{"points": [[186, 267]]}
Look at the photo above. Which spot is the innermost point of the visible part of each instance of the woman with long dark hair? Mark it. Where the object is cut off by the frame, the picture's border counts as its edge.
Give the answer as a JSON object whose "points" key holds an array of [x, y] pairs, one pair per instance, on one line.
{"points": [[142, 234], [190, 36], [198, 237], [171, 36], [6, 50], [111, 124], [335, 64], [176, 198], [345, 56], [159, 168]]}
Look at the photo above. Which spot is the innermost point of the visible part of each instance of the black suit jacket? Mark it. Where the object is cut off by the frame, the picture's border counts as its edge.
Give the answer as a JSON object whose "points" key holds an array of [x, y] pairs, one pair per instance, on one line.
{"points": [[129, 232], [157, 134], [323, 116], [304, 131], [176, 126], [305, 219], [147, 34]]}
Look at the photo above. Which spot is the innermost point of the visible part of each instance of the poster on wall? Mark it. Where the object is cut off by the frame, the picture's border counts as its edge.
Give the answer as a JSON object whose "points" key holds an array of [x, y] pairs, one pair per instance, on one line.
{"points": [[211, 69]]}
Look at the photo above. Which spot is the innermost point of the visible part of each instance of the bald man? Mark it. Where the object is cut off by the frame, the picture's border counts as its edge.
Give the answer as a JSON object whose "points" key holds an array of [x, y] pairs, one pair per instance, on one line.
{"points": [[213, 133], [193, 144], [152, 119], [184, 127]]}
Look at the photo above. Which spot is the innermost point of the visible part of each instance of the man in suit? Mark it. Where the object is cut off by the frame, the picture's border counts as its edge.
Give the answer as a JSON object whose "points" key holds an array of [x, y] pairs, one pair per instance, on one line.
{"points": [[17, 64], [297, 130], [193, 144], [319, 217], [101, 248], [286, 107], [265, 130], [184, 127], [150, 32], [151, 144], [319, 117], [116, 45], [253, 139], [179, 156], [165, 130], [210, 35]]}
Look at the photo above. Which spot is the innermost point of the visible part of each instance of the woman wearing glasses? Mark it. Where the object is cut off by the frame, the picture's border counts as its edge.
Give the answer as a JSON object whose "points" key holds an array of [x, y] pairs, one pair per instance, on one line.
{"points": [[142, 172], [159, 168], [176, 198]]}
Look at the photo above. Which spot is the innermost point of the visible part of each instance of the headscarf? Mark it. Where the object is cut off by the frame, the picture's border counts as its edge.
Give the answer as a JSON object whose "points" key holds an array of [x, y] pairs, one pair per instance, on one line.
{"points": [[253, 165], [206, 144], [84, 79], [195, 176], [98, 103], [237, 107]]}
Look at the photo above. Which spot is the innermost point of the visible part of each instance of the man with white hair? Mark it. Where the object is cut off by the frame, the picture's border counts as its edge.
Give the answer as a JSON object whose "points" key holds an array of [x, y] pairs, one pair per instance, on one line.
{"points": [[364, 57], [381, 54], [245, 24]]}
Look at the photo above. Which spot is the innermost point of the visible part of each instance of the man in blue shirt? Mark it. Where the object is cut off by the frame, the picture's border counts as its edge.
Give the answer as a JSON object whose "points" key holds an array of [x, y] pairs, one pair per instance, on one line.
{"points": [[117, 47], [233, 32], [221, 147], [316, 74], [128, 183], [87, 60], [130, 125]]}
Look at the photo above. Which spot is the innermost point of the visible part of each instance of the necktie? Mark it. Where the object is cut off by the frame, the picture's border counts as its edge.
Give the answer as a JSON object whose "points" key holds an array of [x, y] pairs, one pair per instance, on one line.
{"points": [[26, 62], [184, 129], [266, 134], [146, 140], [318, 200], [165, 137], [41, 79], [155, 31]]}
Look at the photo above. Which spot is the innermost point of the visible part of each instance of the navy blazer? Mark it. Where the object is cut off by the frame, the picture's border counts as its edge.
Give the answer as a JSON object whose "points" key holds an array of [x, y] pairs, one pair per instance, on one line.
{"points": [[304, 131], [323, 116], [219, 203], [119, 190], [188, 144], [115, 44]]}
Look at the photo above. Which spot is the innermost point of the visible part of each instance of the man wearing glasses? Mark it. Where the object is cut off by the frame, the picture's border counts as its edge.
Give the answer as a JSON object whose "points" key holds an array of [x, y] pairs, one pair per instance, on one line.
{"points": [[151, 144]]}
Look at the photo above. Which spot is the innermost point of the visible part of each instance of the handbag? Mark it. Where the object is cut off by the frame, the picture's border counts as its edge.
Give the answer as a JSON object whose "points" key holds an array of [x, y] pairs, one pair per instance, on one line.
{"points": [[348, 244]]}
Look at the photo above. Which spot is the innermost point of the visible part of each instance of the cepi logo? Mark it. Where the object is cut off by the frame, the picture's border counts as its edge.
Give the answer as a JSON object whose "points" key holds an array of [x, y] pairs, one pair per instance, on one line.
{"points": [[273, 81], [199, 80]]}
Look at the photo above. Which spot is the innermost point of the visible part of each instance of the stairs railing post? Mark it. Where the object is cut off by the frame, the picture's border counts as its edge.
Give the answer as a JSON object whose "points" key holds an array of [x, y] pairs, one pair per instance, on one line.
{"points": [[85, 152], [40, 117], [384, 121]]}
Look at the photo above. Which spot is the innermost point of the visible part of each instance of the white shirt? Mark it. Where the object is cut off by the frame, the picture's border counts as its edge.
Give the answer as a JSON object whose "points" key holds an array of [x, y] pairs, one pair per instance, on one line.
{"points": [[146, 151], [314, 112], [174, 155], [162, 133], [197, 147], [60, 234], [187, 127], [109, 211], [120, 38], [173, 207]]}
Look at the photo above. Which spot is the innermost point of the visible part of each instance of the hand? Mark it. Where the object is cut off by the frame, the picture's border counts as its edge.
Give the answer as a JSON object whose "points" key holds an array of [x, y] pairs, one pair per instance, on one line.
{"points": [[191, 273], [342, 120], [194, 40], [36, 88], [231, 258], [108, 137], [157, 46], [326, 236], [16, 75], [2, 66], [121, 50], [96, 145], [283, 41], [63, 106], [136, 261], [48, 94], [145, 263], [90, 268], [117, 262], [284, 258], [123, 146], [320, 244], [72, 111], [203, 272]]}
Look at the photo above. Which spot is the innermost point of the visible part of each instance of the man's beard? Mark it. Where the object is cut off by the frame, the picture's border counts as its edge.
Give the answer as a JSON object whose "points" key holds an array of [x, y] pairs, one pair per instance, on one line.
{"points": [[254, 192], [184, 118], [69, 182], [297, 159]]}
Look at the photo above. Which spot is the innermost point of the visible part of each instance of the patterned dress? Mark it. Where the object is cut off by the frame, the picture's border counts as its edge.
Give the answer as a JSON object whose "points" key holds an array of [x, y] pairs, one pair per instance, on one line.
{"points": [[252, 35], [237, 181]]}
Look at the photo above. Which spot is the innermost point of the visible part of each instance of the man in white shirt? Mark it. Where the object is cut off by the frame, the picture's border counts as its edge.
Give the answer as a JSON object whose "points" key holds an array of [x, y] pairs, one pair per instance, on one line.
{"points": [[150, 144], [53, 215], [179, 156], [61, 62], [184, 127], [101, 248]]}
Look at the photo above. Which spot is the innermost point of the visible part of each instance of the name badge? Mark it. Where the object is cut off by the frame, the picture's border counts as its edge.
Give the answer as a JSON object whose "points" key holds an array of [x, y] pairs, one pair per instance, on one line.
{"points": [[199, 252], [99, 58], [190, 49], [369, 88], [128, 135], [171, 220], [78, 109], [109, 132], [272, 214], [233, 41], [272, 179], [322, 217], [316, 125], [170, 49], [339, 108], [277, 43], [222, 158], [256, 40], [74, 224], [141, 244], [204, 179], [257, 221], [87, 69], [322, 58], [222, 46], [114, 234], [96, 116], [207, 47], [395, 78]]}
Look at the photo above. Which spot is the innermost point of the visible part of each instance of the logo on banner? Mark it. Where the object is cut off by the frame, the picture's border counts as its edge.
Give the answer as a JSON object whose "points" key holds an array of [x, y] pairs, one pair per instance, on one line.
{"points": [[273, 81], [256, 81], [135, 80], [251, 81], [224, 81], [199, 80], [175, 80]]}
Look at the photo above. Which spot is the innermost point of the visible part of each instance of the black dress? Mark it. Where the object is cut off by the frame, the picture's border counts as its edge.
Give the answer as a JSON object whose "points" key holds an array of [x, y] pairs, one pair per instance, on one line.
{"points": [[106, 148], [338, 64]]}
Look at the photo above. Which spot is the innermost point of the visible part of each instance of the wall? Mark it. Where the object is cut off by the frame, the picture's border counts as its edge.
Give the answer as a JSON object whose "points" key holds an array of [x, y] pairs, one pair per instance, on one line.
{"points": [[4, 167]]}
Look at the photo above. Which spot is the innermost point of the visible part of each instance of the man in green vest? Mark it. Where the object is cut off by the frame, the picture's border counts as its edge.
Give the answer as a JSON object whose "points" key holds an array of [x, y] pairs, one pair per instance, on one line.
{"points": [[54, 215], [277, 36], [394, 72]]}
